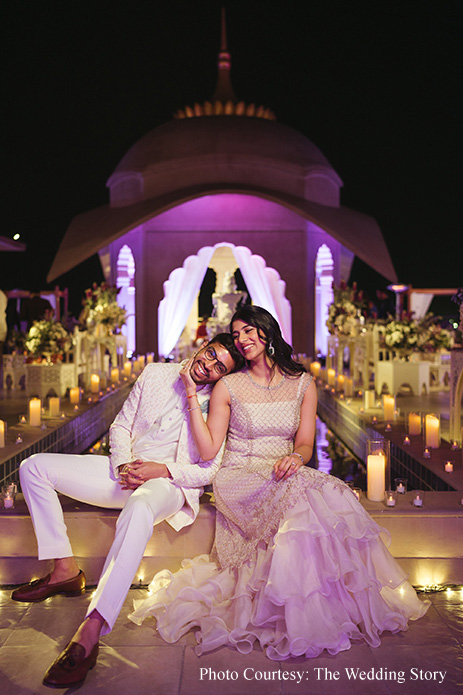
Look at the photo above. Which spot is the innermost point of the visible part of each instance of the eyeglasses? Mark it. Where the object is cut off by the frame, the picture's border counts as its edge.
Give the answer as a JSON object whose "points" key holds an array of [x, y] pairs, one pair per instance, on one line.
{"points": [[211, 356]]}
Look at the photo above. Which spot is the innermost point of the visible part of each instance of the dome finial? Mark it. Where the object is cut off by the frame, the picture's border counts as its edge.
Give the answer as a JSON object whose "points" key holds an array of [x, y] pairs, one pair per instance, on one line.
{"points": [[224, 101], [224, 90]]}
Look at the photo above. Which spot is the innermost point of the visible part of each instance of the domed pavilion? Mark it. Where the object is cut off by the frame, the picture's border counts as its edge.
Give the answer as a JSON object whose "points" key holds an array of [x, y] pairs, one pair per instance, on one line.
{"points": [[224, 185]]}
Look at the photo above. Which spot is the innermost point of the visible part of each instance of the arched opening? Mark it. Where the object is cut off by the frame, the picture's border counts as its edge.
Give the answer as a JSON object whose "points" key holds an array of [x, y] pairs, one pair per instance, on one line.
{"points": [[264, 284], [324, 276], [126, 297]]}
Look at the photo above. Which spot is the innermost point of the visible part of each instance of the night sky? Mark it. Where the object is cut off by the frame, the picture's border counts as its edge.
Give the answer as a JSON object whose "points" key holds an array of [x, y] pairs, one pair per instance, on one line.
{"points": [[375, 85]]}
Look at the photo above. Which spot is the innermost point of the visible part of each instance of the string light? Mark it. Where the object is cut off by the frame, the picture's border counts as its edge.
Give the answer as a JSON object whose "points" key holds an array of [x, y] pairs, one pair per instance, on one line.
{"points": [[436, 588]]}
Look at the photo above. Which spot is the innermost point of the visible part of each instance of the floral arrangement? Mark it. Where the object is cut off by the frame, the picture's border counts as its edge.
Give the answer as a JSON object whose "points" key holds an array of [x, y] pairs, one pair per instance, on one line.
{"points": [[433, 337], [458, 299], [407, 335], [48, 338], [101, 308], [347, 311], [401, 335]]}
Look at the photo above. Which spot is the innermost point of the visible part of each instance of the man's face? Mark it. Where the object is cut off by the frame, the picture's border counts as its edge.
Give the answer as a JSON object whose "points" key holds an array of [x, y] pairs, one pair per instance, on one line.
{"points": [[211, 363]]}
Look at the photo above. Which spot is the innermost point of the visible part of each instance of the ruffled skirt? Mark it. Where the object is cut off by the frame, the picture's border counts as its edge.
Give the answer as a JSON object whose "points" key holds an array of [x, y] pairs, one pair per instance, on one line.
{"points": [[324, 581]]}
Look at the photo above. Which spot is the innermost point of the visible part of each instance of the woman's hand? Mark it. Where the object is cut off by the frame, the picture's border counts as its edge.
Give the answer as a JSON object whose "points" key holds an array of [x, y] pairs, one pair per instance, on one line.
{"points": [[138, 472], [287, 466], [190, 386]]}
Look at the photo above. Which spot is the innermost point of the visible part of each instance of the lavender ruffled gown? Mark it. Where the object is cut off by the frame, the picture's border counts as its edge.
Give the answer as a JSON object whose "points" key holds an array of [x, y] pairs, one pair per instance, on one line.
{"points": [[297, 566]]}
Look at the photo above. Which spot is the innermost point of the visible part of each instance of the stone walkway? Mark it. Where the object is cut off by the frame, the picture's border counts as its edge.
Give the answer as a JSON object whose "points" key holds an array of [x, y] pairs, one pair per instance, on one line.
{"points": [[135, 661]]}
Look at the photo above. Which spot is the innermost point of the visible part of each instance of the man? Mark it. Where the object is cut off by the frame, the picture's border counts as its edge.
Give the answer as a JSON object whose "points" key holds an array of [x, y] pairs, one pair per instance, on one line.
{"points": [[149, 475]]}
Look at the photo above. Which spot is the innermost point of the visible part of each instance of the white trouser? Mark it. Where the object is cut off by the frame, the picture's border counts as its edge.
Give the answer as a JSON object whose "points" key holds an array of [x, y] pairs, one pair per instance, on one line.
{"points": [[90, 479]]}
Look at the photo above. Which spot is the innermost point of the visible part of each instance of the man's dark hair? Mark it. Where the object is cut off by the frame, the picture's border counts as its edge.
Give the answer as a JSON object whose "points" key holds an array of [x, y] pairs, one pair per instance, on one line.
{"points": [[228, 343]]}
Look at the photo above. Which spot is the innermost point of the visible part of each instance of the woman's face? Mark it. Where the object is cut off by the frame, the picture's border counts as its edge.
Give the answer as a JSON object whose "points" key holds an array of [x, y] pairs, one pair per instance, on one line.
{"points": [[248, 341]]}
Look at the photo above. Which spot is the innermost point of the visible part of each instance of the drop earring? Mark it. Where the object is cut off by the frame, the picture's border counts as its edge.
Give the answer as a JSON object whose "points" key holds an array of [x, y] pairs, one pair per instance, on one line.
{"points": [[271, 349]]}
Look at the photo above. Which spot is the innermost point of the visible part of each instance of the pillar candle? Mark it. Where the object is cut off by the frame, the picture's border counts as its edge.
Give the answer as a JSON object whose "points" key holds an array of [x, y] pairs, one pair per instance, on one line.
{"points": [[376, 477], [331, 374], [53, 405], [432, 427], [369, 398], [94, 383], [141, 360], [114, 375], [35, 412], [136, 366], [340, 381], [127, 368], [2, 433], [74, 395], [414, 423], [388, 407], [349, 387], [150, 357], [315, 368]]}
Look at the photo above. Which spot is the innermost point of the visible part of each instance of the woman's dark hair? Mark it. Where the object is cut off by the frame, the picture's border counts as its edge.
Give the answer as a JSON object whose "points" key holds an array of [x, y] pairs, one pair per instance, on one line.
{"points": [[269, 330], [228, 343]]}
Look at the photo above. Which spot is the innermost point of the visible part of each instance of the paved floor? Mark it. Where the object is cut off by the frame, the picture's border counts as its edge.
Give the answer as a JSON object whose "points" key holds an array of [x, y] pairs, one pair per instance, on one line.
{"points": [[135, 661]]}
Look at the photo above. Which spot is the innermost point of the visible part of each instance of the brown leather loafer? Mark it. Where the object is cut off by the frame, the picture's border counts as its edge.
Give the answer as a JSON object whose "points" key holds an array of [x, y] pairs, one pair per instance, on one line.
{"points": [[71, 667], [40, 589]]}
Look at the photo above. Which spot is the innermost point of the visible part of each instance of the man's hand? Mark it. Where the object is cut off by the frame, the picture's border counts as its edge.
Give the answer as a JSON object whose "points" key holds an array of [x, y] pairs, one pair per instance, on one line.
{"points": [[138, 472]]}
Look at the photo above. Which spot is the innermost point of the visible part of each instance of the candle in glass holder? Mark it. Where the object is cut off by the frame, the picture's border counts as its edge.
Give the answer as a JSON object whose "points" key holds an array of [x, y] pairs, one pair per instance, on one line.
{"points": [[127, 368], [53, 406], [390, 498], [414, 424], [35, 412], [400, 486], [2, 433], [448, 467], [418, 498], [94, 383], [388, 407], [340, 381], [315, 369], [432, 431], [376, 474], [74, 395]]}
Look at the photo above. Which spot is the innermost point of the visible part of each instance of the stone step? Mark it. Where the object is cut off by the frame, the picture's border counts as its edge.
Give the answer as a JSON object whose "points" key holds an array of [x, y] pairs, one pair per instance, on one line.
{"points": [[91, 532], [426, 541]]}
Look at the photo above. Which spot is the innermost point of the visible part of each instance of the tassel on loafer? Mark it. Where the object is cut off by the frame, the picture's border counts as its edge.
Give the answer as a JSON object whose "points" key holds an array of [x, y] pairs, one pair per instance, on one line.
{"points": [[71, 667], [40, 589]]}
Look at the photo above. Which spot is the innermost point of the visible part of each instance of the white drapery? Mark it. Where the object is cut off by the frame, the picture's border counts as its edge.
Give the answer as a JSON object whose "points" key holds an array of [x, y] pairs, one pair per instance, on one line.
{"points": [[180, 292], [420, 303], [265, 286]]}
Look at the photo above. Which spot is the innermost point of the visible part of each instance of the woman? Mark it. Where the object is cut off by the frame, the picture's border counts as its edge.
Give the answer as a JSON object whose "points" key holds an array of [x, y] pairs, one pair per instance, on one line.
{"points": [[297, 565]]}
